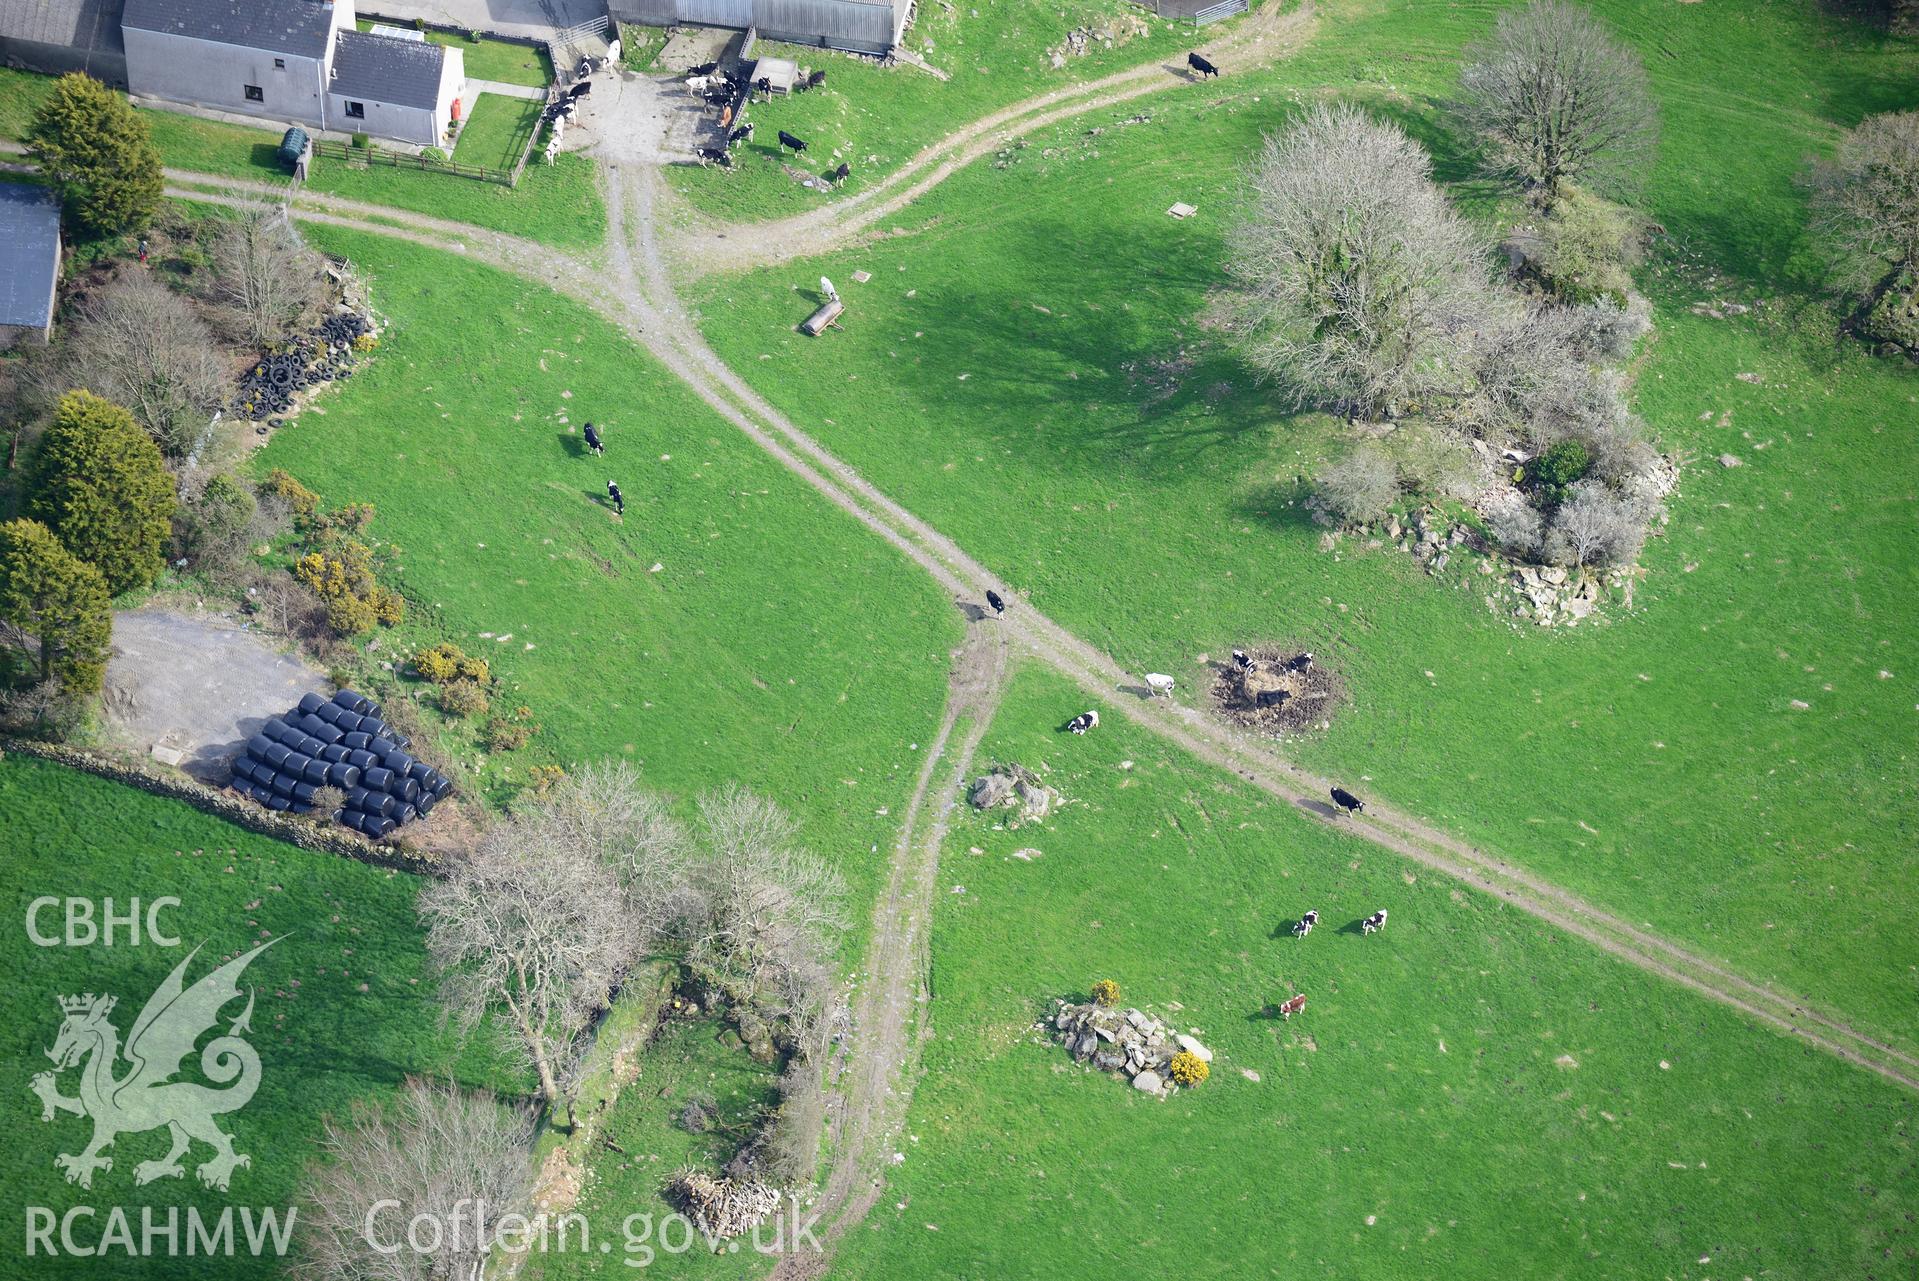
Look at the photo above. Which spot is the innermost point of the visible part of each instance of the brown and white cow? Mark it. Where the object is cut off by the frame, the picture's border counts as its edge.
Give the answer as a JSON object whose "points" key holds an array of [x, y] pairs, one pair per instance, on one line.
{"points": [[1292, 1006]]}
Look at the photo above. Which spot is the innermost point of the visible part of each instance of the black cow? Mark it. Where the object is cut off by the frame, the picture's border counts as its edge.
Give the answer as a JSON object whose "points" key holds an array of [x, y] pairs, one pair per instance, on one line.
{"points": [[1200, 65], [593, 440], [580, 90], [788, 140], [1377, 921], [1242, 660], [1300, 663], [704, 69], [1347, 801], [742, 134], [815, 80], [716, 156], [838, 175], [619, 502], [1306, 924], [1270, 698], [1083, 722]]}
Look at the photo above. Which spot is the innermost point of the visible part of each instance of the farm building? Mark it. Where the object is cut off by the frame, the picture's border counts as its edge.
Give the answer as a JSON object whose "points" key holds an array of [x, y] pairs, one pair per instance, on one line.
{"points": [[64, 35], [859, 26], [296, 61], [29, 262]]}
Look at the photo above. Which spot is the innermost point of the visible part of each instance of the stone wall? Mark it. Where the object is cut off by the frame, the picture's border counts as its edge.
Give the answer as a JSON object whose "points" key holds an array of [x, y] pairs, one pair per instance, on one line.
{"points": [[327, 839]]}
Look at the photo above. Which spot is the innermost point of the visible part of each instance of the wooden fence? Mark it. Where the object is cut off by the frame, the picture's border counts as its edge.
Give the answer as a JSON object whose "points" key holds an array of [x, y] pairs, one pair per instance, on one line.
{"points": [[369, 157]]}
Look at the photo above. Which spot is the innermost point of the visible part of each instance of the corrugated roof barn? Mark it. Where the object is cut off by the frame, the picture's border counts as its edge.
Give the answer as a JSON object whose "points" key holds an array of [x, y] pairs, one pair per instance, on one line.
{"points": [[300, 29], [29, 255]]}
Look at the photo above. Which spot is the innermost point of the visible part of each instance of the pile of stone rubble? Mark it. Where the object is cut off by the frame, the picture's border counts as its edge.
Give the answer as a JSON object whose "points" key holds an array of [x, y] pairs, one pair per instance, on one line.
{"points": [[1124, 1042]]}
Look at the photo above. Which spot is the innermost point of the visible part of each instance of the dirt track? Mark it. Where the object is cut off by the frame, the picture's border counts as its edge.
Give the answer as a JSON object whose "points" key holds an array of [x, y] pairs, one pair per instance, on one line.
{"points": [[638, 295]]}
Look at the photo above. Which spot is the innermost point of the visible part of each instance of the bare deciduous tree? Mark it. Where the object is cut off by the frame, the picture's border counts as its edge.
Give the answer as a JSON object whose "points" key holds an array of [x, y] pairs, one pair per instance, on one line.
{"points": [[141, 345], [433, 1153], [1361, 485], [770, 911], [537, 927], [1596, 526], [1866, 209], [1553, 98], [1357, 283], [265, 279], [603, 811]]}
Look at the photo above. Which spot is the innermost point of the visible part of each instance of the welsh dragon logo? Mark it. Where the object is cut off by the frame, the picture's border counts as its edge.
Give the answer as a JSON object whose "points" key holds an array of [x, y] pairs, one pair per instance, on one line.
{"points": [[145, 1096]]}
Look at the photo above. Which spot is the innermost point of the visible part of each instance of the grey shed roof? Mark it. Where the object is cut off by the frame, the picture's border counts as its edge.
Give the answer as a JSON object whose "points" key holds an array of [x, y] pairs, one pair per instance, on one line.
{"points": [[29, 254], [298, 27], [403, 73], [71, 24]]}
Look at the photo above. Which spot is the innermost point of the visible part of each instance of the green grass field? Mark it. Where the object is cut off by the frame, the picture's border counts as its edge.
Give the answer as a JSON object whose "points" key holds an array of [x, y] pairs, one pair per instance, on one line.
{"points": [[496, 133], [732, 627], [1468, 1093], [876, 118], [1028, 370], [345, 1006]]}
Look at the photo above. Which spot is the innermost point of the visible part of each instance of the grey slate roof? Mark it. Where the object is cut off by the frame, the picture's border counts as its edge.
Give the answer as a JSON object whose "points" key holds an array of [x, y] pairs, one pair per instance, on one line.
{"points": [[404, 73], [70, 24], [298, 27], [29, 253]]}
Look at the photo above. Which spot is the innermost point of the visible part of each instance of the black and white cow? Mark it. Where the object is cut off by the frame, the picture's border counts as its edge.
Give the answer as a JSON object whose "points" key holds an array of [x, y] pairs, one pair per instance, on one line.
{"points": [[593, 441], [1083, 722], [1300, 663], [742, 134], [1242, 660], [716, 156], [797, 145], [1347, 801], [1306, 924], [619, 501], [1200, 65], [1377, 921], [993, 599], [839, 175]]}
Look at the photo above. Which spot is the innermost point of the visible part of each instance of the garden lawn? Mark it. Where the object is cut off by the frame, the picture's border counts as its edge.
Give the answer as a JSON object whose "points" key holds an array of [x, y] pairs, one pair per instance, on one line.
{"points": [[557, 204], [1468, 1093], [878, 117], [1029, 371], [344, 1005], [496, 133], [732, 627], [488, 58]]}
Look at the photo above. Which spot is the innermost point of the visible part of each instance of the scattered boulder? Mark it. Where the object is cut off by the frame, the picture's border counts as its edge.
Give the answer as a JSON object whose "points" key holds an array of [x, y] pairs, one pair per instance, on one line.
{"points": [[1013, 785], [1127, 1042], [1731, 460]]}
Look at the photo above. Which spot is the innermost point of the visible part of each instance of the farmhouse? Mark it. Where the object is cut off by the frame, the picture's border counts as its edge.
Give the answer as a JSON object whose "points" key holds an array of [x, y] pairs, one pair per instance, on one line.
{"points": [[859, 26], [295, 61], [29, 262]]}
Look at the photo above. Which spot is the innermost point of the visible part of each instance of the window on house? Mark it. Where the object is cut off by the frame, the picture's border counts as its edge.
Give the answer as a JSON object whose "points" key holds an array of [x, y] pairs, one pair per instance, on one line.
{"points": [[356, 111], [256, 94], [279, 64]]}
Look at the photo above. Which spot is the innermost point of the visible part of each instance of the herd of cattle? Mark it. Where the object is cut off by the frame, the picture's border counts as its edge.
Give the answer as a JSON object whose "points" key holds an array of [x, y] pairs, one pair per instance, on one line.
{"points": [[726, 93], [1161, 685]]}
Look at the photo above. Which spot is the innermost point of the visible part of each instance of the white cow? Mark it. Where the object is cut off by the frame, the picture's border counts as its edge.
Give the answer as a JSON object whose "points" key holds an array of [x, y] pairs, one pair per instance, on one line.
{"points": [[1160, 683]]}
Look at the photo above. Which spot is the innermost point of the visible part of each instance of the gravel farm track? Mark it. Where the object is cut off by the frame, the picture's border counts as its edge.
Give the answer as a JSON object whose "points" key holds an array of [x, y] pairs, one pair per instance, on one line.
{"points": [[634, 289]]}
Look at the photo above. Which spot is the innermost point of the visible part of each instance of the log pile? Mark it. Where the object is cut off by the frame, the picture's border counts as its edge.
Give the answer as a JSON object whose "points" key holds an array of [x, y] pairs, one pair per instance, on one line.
{"points": [[722, 1207]]}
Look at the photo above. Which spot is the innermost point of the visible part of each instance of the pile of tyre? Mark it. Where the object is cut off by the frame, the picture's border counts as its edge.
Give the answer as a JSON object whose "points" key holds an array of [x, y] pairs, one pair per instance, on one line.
{"points": [[325, 354], [339, 742]]}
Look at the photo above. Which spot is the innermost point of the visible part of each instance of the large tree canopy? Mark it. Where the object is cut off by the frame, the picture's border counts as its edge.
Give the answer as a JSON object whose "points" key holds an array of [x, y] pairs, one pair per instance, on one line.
{"points": [[1552, 98], [98, 154], [104, 490], [1358, 286], [58, 602]]}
